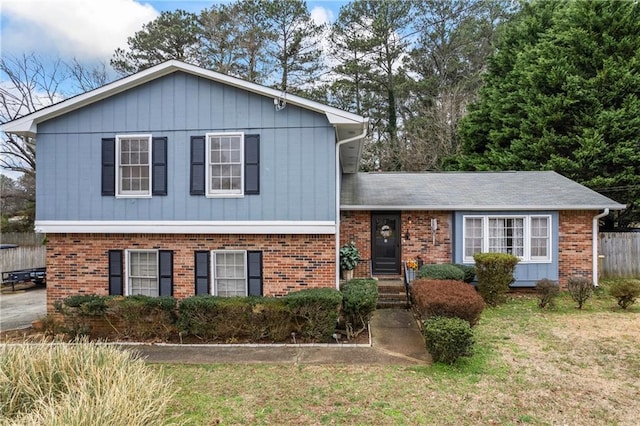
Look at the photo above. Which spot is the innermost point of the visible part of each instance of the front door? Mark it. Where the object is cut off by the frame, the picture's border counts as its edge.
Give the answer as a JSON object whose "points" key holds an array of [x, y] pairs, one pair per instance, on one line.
{"points": [[385, 241]]}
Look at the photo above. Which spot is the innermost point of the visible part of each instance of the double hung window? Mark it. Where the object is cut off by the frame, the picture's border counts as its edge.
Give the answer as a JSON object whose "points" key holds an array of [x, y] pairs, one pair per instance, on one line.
{"points": [[229, 273], [527, 237], [225, 164], [133, 165], [142, 272]]}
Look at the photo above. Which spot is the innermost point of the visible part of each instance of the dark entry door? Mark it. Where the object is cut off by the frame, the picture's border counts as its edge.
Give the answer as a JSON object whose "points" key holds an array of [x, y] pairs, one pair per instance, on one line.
{"points": [[385, 240]]}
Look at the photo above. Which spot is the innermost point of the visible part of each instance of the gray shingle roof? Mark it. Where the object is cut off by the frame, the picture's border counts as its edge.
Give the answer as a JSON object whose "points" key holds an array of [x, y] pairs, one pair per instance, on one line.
{"points": [[545, 190]]}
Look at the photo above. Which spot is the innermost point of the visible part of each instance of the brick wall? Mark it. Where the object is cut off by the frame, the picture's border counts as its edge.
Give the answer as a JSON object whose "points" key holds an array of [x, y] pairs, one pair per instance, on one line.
{"points": [[356, 226], [575, 245], [78, 264]]}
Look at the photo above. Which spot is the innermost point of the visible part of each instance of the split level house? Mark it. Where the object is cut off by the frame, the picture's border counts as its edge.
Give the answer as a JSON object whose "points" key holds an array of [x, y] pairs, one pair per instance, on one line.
{"points": [[182, 181]]}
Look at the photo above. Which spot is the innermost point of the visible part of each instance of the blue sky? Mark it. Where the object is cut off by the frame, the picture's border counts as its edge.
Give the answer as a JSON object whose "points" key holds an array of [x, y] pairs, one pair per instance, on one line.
{"points": [[90, 30]]}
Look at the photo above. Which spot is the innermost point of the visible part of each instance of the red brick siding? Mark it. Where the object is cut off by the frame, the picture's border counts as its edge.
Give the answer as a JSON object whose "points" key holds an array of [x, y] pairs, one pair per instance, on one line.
{"points": [[356, 226], [575, 245], [78, 263]]}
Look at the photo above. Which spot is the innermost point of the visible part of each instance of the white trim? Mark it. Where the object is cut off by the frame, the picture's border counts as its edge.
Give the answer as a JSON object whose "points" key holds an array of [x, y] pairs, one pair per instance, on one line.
{"points": [[28, 124], [214, 286], [526, 257], [132, 194], [223, 193], [479, 207], [185, 227]]}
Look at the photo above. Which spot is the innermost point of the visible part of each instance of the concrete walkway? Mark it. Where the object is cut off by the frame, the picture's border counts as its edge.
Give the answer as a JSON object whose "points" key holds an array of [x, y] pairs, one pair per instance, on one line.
{"points": [[395, 340]]}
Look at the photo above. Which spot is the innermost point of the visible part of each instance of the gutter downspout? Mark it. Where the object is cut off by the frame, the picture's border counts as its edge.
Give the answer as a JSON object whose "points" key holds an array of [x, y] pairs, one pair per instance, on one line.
{"points": [[594, 238], [362, 135]]}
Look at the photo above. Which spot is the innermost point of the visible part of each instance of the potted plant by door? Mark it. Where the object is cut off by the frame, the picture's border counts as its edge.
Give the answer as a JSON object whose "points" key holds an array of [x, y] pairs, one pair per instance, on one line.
{"points": [[349, 258]]}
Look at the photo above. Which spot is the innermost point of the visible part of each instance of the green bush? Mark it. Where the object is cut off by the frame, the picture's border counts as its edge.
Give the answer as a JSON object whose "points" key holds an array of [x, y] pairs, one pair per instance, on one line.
{"points": [[625, 291], [315, 312], [446, 298], [547, 291], [349, 256], [444, 271], [448, 339], [143, 317], [78, 311], [359, 300], [79, 384], [580, 289], [235, 319], [88, 304], [468, 270], [495, 275]]}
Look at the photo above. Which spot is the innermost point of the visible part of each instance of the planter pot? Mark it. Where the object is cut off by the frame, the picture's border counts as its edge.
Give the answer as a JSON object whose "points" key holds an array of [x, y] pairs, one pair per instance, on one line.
{"points": [[347, 274], [411, 275]]}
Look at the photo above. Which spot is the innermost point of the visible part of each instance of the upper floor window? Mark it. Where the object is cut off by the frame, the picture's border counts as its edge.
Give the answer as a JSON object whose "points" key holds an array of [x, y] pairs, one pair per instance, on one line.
{"points": [[225, 164], [527, 237], [133, 154]]}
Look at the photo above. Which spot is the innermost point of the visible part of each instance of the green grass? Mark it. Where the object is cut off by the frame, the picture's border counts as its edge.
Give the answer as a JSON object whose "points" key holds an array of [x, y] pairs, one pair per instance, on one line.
{"points": [[530, 366]]}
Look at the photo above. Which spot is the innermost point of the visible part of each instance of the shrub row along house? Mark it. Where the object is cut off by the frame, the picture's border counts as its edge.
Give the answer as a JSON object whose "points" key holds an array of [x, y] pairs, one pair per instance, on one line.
{"points": [[180, 181]]}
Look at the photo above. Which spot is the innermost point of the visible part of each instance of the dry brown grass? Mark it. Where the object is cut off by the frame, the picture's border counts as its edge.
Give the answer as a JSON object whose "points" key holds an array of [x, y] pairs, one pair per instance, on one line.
{"points": [[560, 367]]}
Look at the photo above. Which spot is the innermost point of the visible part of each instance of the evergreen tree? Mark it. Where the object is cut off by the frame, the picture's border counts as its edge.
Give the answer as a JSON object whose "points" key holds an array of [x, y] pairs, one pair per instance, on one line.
{"points": [[563, 93], [172, 35]]}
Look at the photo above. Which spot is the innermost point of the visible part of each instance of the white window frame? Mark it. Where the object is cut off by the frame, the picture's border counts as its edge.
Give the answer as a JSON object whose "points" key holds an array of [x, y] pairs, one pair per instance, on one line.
{"points": [[214, 278], [120, 193], [224, 192], [128, 291], [527, 256]]}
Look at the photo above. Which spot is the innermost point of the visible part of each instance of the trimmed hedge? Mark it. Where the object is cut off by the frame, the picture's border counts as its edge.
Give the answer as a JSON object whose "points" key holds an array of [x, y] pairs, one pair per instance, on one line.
{"points": [[315, 312], [447, 298], [469, 272], [448, 339], [359, 300], [495, 275], [444, 271]]}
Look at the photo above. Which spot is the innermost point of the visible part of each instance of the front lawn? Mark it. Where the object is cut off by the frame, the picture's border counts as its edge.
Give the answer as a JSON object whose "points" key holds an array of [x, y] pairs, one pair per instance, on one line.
{"points": [[560, 366]]}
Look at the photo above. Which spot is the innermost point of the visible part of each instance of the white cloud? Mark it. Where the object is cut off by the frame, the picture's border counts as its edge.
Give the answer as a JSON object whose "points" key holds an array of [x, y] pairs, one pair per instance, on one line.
{"points": [[86, 29], [321, 15]]}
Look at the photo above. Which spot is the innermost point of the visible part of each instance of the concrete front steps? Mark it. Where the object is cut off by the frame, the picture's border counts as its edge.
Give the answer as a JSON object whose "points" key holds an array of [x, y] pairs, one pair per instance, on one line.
{"points": [[391, 293]]}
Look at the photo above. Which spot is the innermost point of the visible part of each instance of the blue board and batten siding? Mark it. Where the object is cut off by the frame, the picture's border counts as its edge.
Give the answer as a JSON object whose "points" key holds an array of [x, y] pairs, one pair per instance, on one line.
{"points": [[297, 155], [526, 274]]}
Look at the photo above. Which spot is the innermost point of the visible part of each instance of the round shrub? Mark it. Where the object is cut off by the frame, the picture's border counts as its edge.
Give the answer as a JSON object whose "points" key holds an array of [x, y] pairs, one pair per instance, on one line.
{"points": [[625, 291], [359, 300], [580, 289], [447, 298], [495, 275], [547, 292], [444, 271], [448, 339], [468, 270]]}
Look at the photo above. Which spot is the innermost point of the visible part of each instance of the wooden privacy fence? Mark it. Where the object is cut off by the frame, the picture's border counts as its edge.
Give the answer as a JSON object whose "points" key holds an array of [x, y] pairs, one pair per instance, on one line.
{"points": [[621, 251], [22, 239], [18, 258]]}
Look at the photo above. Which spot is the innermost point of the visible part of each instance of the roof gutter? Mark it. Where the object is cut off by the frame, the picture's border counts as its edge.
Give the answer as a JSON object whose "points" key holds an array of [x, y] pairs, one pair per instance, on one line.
{"points": [[594, 239], [365, 130]]}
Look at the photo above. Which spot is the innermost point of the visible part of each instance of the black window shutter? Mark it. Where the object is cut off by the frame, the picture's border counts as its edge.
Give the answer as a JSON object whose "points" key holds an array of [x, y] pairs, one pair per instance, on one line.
{"points": [[251, 164], [115, 273], [108, 166], [202, 268], [159, 166], [198, 160], [254, 272], [165, 267]]}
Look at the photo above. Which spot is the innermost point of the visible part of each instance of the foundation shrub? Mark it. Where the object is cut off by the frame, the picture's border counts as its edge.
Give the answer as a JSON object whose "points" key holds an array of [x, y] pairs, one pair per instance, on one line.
{"points": [[79, 384], [359, 300], [199, 316], [580, 289], [271, 319], [495, 274], [446, 298], [468, 270], [79, 311], [448, 339], [445, 271], [315, 312], [625, 291], [142, 317], [547, 291]]}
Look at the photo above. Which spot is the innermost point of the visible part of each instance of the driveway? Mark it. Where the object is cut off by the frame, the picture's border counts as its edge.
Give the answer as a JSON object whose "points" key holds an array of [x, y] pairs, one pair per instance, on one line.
{"points": [[18, 309]]}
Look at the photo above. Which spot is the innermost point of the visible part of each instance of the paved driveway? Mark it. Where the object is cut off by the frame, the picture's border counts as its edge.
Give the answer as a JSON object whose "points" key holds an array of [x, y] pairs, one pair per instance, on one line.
{"points": [[18, 309]]}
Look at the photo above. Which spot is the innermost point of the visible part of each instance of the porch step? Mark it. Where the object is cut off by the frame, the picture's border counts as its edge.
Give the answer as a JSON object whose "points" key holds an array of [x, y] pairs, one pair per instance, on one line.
{"points": [[391, 294]]}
